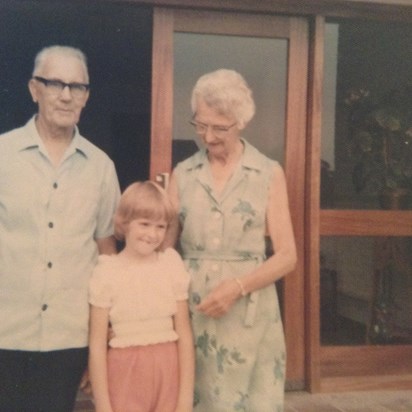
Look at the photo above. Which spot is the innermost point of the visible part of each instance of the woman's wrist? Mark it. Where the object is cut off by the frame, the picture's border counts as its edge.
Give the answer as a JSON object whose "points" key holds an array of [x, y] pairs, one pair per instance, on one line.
{"points": [[241, 287]]}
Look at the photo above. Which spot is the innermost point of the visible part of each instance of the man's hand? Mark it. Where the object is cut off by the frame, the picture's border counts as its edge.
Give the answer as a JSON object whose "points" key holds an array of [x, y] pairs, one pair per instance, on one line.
{"points": [[85, 385]]}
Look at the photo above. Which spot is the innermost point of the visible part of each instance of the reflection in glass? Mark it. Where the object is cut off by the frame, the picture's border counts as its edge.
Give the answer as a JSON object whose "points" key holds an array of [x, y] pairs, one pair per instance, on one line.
{"points": [[366, 290], [367, 115], [263, 63]]}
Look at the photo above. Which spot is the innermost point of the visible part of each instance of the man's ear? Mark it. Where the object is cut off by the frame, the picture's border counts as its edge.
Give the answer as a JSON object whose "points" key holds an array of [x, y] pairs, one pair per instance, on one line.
{"points": [[86, 98], [33, 90]]}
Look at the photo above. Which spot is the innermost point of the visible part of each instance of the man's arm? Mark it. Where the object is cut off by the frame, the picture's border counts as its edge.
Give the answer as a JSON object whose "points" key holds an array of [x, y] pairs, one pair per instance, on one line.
{"points": [[106, 245]]}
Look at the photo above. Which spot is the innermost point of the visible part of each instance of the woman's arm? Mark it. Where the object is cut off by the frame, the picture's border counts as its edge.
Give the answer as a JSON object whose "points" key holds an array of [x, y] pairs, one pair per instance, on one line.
{"points": [[186, 357], [279, 226], [99, 321]]}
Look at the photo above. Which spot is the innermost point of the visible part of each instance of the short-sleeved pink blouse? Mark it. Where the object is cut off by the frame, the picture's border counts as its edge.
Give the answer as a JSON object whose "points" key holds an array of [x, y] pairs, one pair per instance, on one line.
{"points": [[141, 297]]}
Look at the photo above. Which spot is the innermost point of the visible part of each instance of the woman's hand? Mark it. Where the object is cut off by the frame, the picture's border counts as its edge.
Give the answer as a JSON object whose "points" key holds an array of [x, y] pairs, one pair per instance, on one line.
{"points": [[219, 301]]}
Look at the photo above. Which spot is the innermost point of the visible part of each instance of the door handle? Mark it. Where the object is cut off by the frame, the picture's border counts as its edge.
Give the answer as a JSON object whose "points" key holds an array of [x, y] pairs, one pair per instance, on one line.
{"points": [[163, 179]]}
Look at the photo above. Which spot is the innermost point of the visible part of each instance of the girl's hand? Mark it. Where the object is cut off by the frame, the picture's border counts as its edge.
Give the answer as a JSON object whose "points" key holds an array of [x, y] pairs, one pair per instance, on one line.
{"points": [[219, 301]]}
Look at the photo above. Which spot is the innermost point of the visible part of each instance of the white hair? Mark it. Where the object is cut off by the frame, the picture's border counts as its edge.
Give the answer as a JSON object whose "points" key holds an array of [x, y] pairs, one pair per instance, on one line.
{"points": [[66, 51], [226, 91]]}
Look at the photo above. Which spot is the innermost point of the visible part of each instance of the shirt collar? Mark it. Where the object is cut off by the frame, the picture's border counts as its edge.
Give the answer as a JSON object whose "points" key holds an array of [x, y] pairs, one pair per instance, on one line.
{"points": [[32, 139]]}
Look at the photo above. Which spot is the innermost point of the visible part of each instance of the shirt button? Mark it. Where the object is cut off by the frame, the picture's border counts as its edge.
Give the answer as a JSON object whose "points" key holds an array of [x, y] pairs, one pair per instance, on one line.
{"points": [[55, 185], [217, 215], [49, 265], [44, 307], [51, 225]]}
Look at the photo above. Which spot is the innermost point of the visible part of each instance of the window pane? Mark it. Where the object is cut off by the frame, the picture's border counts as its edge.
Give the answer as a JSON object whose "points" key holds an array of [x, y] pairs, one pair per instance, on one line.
{"points": [[366, 290], [262, 62], [367, 116]]}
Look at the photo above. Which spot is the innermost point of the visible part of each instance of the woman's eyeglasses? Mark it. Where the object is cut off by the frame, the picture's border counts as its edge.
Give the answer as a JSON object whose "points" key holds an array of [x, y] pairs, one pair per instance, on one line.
{"points": [[217, 130]]}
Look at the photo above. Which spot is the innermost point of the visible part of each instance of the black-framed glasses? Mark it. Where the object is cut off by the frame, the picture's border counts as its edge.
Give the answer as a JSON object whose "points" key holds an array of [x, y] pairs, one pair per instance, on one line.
{"points": [[57, 86], [217, 130]]}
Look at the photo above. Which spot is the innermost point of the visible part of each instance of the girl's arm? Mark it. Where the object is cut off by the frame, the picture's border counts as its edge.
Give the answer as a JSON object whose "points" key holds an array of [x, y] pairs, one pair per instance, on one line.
{"points": [[279, 225], [186, 358], [99, 321]]}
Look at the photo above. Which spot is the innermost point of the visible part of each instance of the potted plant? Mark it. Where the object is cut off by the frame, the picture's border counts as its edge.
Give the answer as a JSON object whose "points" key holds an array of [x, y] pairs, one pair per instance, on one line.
{"points": [[380, 132]]}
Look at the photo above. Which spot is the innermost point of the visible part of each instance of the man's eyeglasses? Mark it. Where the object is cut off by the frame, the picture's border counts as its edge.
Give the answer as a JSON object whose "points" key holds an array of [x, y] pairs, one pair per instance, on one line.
{"points": [[218, 131], [55, 87]]}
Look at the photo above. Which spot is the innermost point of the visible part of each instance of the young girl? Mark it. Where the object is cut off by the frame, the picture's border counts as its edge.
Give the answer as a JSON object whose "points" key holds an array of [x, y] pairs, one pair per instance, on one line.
{"points": [[142, 292]]}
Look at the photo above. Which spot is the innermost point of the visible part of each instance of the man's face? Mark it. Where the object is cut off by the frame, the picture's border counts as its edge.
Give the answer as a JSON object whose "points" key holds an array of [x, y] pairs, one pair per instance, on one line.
{"points": [[61, 109]]}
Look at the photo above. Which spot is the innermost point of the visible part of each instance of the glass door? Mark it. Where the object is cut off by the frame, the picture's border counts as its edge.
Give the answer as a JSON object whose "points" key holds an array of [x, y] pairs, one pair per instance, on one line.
{"points": [[271, 53], [365, 219]]}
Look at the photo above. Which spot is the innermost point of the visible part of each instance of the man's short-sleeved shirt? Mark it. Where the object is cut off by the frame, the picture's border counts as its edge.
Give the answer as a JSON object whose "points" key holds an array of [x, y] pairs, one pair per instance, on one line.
{"points": [[49, 220]]}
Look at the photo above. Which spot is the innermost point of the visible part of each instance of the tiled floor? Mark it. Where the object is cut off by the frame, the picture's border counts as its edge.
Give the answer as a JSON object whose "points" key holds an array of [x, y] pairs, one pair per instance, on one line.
{"points": [[382, 401]]}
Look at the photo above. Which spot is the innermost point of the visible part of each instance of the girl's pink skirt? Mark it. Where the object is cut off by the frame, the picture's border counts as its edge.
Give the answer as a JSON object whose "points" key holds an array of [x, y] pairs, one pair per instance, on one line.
{"points": [[143, 378]]}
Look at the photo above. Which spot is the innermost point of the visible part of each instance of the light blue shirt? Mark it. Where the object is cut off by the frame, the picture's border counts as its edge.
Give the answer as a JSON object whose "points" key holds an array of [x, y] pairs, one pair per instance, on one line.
{"points": [[49, 220]]}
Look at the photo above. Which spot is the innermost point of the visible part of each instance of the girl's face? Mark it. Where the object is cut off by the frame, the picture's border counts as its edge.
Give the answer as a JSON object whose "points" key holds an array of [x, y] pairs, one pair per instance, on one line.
{"points": [[145, 235]]}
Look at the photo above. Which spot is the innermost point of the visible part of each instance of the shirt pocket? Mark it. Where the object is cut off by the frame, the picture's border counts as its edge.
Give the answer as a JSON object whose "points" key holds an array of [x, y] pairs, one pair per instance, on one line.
{"points": [[76, 206]]}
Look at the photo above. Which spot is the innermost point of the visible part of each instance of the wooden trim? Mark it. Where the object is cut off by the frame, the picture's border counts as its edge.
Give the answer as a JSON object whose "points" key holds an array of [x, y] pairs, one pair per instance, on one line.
{"points": [[382, 360], [391, 367], [367, 383], [162, 93], [400, 10], [294, 299], [365, 223], [312, 204]]}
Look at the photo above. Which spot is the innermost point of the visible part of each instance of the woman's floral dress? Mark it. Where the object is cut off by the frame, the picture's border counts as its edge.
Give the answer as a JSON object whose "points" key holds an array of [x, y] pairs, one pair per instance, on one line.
{"points": [[240, 358]]}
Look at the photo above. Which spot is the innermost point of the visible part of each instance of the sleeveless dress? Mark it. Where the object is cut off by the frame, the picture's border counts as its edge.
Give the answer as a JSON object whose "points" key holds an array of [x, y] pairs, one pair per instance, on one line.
{"points": [[240, 358]]}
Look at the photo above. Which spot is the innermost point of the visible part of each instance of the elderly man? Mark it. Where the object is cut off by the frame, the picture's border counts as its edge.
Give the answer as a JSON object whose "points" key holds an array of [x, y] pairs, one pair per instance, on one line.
{"points": [[58, 194]]}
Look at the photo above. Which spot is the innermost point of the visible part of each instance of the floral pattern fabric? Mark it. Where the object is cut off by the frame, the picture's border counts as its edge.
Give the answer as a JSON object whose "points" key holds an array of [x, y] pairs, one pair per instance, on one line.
{"points": [[240, 358]]}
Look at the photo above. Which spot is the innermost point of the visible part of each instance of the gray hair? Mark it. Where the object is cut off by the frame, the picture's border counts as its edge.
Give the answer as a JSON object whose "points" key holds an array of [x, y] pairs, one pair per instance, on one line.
{"points": [[66, 51], [227, 92]]}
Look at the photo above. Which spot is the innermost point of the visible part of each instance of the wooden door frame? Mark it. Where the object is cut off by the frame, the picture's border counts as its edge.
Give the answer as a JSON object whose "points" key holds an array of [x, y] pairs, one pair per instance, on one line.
{"points": [[342, 368], [165, 23], [162, 93]]}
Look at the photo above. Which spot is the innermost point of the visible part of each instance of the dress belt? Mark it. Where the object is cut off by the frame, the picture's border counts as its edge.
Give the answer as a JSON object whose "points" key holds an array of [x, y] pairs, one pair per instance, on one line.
{"points": [[252, 298], [218, 255]]}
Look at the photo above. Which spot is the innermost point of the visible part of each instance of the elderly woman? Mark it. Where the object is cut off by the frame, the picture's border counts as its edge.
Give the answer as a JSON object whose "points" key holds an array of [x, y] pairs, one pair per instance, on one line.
{"points": [[229, 197]]}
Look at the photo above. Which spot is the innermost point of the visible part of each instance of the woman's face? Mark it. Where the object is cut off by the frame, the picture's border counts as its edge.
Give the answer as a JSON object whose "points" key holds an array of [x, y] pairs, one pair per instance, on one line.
{"points": [[219, 133]]}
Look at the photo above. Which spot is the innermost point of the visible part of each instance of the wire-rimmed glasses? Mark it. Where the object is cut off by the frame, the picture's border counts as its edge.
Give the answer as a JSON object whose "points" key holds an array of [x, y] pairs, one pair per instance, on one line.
{"points": [[217, 130]]}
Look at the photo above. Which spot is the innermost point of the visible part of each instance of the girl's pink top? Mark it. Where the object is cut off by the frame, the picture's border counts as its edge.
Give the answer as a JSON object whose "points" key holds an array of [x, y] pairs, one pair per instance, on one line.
{"points": [[141, 297]]}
